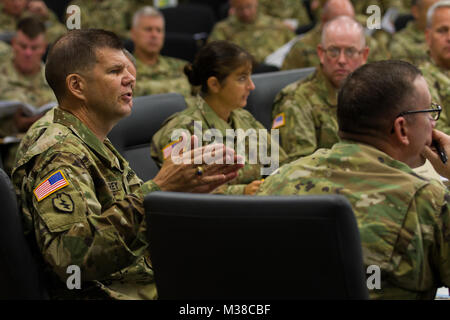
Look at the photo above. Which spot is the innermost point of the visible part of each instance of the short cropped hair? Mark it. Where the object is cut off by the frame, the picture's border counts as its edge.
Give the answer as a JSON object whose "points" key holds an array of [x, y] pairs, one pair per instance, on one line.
{"points": [[75, 52], [31, 27], [433, 8], [146, 11], [374, 94], [345, 22]]}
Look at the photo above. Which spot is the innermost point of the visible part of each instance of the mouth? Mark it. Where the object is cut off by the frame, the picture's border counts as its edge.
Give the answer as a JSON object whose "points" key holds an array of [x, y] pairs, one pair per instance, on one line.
{"points": [[127, 97]]}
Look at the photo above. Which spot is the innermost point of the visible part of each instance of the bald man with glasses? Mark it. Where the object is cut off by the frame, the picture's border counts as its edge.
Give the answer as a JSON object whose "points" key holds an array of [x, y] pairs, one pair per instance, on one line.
{"points": [[386, 123], [305, 111]]}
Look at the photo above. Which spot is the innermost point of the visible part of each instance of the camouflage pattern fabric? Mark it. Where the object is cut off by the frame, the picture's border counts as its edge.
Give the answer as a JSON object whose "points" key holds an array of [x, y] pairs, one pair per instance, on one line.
{"points": [[438, 80], [403, 218], [163, 77], [409, 44], [260, 38], [15, 86], [94, 221], [303, 53], [309, 109], [201, 112], [112, 15], [5, 52], [55, 28], [285, 9]]}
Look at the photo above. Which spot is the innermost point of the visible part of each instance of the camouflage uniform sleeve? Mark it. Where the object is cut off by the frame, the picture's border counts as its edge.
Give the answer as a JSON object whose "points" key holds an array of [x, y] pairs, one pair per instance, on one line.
{"points": [[73, 228], [298, 134], [300, 56], [149, 187], [423, 244], [218, 33]]}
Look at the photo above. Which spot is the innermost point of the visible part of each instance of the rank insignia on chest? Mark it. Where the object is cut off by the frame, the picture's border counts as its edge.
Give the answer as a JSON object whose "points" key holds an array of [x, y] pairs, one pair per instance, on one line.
{"points": [[113, 186], [53, 183]]}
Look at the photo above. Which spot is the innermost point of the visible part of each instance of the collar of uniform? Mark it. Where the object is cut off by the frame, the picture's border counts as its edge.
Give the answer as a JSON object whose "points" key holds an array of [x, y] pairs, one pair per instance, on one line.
{"points": [[437, 67], [149, 70], [415, 33], [16, 76], [325, 88], [211, 117], [370, 152], [85, 134]]}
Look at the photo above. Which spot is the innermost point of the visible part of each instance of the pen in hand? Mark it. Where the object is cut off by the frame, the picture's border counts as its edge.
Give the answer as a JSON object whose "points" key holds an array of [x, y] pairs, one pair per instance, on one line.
{"points": [[440, 151]]}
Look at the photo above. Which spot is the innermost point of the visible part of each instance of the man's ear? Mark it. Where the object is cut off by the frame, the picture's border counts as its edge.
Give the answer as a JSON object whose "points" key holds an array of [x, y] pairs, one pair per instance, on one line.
{"points": [[76, 85], [213, 84], [401, 131], [320, 53], [428, 36]]}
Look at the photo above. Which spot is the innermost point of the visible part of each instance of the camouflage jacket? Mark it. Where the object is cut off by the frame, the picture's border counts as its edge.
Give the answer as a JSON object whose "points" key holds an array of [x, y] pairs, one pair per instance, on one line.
{"points": [[285, 9], [260, 38], [409, 45], [55, 28], [438, 81], [112, 15], [204, 116], [163, 77], [307, 113], [403, 218], [94, 219], [33, 90], [303, 53]]}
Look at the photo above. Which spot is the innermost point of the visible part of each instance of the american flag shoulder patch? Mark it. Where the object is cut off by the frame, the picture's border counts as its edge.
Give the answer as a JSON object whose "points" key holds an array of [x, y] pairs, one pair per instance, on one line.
{"points": [[279, 121], [53, 183], [167, 150]]}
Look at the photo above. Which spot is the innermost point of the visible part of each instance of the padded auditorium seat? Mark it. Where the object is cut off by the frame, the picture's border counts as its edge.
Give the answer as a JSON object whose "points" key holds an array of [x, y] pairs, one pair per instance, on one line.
{"points": [[189, 18], [20, 276], [234, 247], [132, 136], [267, 86]]}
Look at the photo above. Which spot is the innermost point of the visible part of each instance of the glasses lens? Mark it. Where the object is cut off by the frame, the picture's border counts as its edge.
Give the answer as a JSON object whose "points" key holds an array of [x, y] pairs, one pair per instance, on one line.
{"points": [[333, 52], [350, 52]]}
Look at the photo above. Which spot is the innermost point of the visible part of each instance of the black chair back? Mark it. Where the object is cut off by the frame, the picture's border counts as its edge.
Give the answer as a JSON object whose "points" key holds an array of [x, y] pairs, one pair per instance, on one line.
{"points": [[132, 136], [236, 247], [267, 86], [20, 275]]}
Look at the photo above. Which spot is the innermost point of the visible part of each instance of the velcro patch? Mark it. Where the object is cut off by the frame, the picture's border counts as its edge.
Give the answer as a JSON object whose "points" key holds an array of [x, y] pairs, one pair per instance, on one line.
{"points": [[53, 183], [279, 121]]}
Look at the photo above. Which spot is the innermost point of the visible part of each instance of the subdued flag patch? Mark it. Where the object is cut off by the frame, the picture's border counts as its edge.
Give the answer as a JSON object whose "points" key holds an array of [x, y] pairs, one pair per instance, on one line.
{"points": [[167, 150], [279, 121], [54, 182]]}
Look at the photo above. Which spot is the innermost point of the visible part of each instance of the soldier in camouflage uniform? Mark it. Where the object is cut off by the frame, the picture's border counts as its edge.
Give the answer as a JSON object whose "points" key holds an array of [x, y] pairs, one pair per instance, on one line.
{"points": [[437, 69], [11, 13], [220, 109], [306, 109], [93, 217], [156, 73], [403, 218], [112, 15], [23, 80], [409, 44], [257, 33], [286, 10], [303, 53]]}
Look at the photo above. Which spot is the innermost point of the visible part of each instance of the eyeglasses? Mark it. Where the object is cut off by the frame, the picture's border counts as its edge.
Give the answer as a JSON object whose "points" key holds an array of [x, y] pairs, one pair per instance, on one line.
{"points": [[435, 112], [334, 52]]}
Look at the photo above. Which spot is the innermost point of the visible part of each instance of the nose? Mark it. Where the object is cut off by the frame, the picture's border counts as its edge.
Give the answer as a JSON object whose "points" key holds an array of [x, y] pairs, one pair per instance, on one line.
{"points": [[342, 58], [251, 85], [129, 79]]}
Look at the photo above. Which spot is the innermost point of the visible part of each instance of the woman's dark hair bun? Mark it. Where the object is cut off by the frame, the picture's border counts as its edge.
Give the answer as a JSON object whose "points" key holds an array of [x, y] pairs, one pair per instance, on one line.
{"points": [[192, 75]]}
